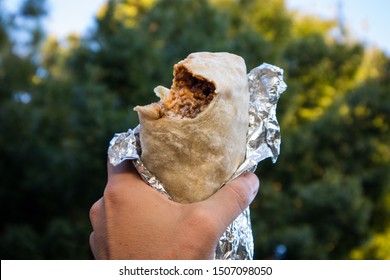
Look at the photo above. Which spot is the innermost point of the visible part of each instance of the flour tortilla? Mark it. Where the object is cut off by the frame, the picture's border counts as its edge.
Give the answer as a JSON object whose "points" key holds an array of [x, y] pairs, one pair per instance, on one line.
{"points": [[194, 157]]}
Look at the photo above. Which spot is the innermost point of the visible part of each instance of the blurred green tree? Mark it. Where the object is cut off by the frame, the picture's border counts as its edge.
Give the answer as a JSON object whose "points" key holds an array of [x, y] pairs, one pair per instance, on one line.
{"points": [[55, 131]]}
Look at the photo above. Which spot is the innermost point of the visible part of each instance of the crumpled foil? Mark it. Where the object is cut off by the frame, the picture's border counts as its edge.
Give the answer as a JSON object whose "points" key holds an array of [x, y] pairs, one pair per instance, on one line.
{"points": [[263, 141]]}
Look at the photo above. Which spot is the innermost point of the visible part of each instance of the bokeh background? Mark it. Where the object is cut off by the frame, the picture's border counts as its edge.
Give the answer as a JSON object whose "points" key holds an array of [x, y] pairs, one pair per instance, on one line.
{"points": [[62, 99]]}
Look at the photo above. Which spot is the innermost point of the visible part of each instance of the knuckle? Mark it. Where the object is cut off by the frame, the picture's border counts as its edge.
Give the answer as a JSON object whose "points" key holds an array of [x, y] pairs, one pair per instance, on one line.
{"points": [[111, 193], [93, 212], [92, 240]]}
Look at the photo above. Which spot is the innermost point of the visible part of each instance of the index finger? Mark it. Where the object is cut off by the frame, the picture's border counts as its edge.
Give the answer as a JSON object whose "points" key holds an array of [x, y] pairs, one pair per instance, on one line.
{"points": [[123, 171]]}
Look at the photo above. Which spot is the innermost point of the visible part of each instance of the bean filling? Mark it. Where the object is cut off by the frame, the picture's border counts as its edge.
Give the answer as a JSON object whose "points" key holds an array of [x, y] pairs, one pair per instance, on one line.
{"points": [[188, 96]]}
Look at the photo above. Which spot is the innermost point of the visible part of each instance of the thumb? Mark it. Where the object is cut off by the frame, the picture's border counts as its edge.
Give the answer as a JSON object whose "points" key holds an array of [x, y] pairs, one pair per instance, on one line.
{"points": [[232, 199]]}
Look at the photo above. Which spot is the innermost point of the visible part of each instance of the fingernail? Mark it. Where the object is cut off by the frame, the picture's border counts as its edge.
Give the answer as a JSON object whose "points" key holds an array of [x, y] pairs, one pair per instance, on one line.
{"points": [[253, 182]]}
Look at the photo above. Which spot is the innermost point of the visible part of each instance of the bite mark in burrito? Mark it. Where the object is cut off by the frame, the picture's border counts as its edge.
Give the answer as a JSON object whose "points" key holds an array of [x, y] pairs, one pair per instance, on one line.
{"points": [[188, 96]]}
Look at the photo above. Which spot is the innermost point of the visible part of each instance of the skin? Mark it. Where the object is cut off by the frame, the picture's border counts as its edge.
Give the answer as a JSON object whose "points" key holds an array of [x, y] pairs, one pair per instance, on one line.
{"points": [[134, 221]]}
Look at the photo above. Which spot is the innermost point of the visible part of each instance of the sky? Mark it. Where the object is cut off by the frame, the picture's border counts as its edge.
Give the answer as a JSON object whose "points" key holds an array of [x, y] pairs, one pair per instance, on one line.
{"points": [[367, 20]]}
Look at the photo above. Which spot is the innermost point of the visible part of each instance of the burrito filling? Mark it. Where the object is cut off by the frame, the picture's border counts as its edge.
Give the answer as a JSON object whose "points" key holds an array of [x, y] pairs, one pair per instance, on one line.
{"points": [[189, 95]]}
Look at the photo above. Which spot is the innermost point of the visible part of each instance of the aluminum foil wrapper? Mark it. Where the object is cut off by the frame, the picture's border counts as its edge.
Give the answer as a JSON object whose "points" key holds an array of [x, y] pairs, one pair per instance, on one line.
{"points": [[263, 141]]}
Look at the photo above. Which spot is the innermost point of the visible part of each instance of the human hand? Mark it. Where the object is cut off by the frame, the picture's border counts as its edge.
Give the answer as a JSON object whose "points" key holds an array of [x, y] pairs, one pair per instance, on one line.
{"points": [[134, 221]]}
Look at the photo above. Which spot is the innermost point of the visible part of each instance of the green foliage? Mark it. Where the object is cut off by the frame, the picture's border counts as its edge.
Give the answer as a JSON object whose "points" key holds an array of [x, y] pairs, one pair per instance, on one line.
{"points": [[33, 8], [311, 220], [328, 195], [377, 248]]}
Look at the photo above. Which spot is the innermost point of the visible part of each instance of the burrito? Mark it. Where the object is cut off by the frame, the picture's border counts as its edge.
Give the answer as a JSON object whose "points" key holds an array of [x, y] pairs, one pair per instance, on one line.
{"points": [[194, 138]]}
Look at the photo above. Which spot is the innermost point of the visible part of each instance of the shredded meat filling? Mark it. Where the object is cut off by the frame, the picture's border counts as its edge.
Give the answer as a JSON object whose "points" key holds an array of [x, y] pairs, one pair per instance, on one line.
{"points": [[189, 95]]}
